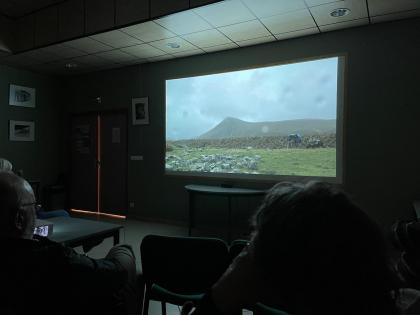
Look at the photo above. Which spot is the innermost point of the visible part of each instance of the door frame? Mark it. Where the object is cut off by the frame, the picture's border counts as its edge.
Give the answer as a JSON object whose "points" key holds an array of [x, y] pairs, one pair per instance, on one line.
{"points": [[123, 111]]}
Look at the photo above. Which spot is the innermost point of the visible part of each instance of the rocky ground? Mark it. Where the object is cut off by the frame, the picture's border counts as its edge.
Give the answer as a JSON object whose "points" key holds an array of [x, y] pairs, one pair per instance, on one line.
{"points": [[237, 155], [277, 142], [215, 163]]}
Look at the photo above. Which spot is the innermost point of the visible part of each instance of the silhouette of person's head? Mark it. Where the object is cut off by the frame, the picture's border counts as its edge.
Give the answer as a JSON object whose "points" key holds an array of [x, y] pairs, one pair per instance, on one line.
{"points": [[318, 250], [5, 165], [17, 207]]}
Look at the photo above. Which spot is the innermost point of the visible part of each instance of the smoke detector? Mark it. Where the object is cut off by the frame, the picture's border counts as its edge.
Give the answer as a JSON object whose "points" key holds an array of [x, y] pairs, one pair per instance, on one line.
{"points": [[173, 45], [340, 12]]}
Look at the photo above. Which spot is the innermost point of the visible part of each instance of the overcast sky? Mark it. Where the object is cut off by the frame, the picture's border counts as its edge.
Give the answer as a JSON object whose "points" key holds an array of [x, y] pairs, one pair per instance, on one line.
{"points": [[295, 91]]}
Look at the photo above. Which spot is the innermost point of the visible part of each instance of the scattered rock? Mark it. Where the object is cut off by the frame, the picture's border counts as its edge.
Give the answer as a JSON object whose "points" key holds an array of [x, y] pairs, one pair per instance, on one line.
{"points": [[215, 163], [249, 143]]}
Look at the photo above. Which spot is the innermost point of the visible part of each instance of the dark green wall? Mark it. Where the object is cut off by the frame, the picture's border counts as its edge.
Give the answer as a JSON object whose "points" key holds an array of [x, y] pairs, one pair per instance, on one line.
{"points": [[6, 35], [41, 159], [381, 156]]}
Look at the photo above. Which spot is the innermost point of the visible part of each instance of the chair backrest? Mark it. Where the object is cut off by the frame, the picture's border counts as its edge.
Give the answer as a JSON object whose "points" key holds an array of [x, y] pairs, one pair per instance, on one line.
{"points": [[262, 309], [236, 247], [406, 236], [186, 265]]}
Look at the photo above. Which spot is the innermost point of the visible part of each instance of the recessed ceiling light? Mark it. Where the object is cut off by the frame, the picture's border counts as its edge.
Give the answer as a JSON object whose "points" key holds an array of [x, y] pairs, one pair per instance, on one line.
{"points": [[173, 45], [340, 12], [71, 65]]}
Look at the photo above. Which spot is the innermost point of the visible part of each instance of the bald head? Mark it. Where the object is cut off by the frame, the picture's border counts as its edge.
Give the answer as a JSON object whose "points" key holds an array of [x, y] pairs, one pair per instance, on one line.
{"points": [[17, 207], [5, 165]]}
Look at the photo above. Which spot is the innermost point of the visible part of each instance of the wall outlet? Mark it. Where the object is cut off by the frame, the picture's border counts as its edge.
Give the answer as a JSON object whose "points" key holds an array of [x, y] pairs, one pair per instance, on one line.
{"points": [[131, 204]]}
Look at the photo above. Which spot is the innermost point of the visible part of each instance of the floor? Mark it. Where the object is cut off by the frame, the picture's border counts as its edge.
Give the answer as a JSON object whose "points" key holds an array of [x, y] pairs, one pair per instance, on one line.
{"points": [[134, 231]]}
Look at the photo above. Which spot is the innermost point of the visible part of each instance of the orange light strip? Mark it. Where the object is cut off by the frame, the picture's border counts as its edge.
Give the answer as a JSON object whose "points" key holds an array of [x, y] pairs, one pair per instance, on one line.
{"points": [[116, 216], [98, 169], [101, 213]]}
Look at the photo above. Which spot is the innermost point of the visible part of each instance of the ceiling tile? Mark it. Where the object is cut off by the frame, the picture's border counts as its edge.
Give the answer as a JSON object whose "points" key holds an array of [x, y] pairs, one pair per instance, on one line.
{"points": [[116, 39], [221, 47], [312, 3], [164, 45], [63, 51], [184, 23], [295, 34], [19, 60], [40, 56], [322, 15], [379, 7], [289, 22], [109, 66], [143, 51], [225, 13], [245, 30], [189, 53], [116, 56], [91, 60], [133, 62], [160, 58], [256, 41], [341, 25], [207, 38], [265, 8], [395, 16], [87, 45], [148, 32]]}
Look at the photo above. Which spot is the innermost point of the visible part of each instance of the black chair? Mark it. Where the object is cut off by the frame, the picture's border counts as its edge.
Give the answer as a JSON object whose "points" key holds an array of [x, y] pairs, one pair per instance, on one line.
{"points": [[259, 308], [180, 269], [236, 247], [405, 236]]}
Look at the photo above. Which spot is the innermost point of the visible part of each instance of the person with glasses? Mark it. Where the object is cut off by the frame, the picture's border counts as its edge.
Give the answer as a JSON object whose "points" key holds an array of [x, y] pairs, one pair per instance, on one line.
{"points": [[39, 276], [7, 166]]}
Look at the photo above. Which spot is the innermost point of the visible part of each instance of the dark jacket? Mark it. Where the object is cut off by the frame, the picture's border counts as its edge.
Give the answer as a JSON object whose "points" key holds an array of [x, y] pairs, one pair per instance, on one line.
{"points": [[43, 277]]}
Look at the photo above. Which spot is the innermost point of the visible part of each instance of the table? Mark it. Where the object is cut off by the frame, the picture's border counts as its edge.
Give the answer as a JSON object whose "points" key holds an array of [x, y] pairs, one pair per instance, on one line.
{"points": [[73, 232], [229, 192]]}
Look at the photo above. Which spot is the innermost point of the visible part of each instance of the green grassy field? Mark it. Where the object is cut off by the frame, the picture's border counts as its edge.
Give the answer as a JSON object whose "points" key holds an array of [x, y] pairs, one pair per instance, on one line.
{"points": [[301, 162]]}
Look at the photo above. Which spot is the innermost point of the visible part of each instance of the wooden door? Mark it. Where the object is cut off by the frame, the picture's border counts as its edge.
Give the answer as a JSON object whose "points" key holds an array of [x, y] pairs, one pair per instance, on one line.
{"points": [[113, 163], [84, 160]]}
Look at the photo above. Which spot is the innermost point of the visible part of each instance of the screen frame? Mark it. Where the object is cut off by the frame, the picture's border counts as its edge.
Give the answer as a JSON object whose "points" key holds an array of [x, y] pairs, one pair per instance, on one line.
{"points": [[340, 128]]}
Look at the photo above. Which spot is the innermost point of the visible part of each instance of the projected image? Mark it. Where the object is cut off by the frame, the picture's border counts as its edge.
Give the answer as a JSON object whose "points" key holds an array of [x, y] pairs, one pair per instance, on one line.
{"points": [[278, 120]]}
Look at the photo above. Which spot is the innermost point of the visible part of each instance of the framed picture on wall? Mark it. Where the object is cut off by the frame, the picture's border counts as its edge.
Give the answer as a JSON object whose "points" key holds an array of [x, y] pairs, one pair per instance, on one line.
{"points": [[21, 130], [21, 96], [140, 111]]}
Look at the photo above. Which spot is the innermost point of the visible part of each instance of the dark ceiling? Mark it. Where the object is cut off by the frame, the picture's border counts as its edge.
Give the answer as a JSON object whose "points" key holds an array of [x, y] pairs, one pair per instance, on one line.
{"points": [[19, 8]]}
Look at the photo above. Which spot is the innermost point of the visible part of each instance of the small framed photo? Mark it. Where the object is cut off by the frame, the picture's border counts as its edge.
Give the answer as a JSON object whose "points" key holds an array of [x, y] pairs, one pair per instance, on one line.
{"points": [[21, 130], [21, 96], [140, 111]]}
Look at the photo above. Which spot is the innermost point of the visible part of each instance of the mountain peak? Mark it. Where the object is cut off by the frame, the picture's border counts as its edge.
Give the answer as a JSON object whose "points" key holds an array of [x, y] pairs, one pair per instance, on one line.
{"points": [[231, 127], [230, 119]]}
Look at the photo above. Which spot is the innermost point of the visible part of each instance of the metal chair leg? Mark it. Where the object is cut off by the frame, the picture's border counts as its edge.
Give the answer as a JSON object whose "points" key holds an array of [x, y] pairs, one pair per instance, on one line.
{"points": [[145, 308]]}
